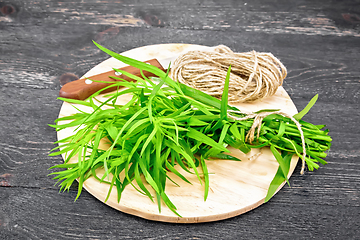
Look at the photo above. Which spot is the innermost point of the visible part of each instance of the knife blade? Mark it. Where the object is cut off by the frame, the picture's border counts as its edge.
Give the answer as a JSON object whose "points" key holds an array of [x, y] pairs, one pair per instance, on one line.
{"points": [[83, 88]]}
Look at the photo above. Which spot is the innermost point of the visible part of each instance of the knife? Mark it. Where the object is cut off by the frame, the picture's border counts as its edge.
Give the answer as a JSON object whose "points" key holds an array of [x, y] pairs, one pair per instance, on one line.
{"points": [[83, 88]]}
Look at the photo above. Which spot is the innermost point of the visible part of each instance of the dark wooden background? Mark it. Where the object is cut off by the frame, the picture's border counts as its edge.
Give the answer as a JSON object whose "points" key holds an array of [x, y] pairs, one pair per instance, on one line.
{"points": [[44, 44]]}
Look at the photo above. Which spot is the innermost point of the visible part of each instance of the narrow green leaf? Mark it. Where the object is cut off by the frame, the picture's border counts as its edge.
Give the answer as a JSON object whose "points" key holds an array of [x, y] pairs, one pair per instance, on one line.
{"points": [[75, 101], [148, 177], [140, 183], [275, 183], [281, 129], [198, 136], [206, 177], [110, 189], [151, 136], [301, 114], [224, 97], [280, 160], [172, 169], [112, 130], [224, 132], [226, 157]]}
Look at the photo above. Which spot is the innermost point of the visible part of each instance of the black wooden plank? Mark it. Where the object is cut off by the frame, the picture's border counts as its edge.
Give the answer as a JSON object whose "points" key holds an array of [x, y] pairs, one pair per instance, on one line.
{"points": [[40, 41], [297, 17], [37, 214]]}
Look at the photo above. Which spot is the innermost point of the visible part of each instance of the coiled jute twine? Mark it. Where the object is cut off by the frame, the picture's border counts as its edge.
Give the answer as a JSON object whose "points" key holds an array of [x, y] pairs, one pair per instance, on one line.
{"points": [[254, 76]]}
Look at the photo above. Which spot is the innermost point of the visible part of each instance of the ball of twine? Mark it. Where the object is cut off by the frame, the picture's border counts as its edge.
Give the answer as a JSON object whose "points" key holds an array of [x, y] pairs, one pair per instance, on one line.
{"points": [[254, 75]]}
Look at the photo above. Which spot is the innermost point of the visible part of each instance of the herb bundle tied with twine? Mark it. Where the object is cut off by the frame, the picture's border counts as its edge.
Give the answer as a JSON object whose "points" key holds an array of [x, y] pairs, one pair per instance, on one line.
{"points": [[253, 77]]}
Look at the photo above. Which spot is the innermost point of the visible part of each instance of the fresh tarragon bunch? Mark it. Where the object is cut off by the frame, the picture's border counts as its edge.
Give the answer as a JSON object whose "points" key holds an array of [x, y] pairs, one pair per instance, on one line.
{"points": [[167, 123]]}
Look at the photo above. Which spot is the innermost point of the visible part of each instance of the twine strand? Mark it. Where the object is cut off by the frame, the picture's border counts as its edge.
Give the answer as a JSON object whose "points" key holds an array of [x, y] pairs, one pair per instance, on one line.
{"points": [[258, 118]]}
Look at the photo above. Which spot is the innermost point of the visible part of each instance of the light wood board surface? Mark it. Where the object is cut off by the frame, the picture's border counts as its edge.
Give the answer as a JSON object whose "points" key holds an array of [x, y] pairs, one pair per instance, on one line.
{"points": [[235, 187]]}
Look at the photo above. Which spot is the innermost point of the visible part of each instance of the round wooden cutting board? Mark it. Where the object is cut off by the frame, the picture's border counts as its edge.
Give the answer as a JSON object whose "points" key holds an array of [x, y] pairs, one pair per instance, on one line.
{"points": [[235, 187]]}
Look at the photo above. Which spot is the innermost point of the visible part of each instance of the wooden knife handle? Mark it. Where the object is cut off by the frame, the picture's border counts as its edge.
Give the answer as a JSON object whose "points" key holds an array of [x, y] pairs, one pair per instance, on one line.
{"points": [[81, 89]]}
